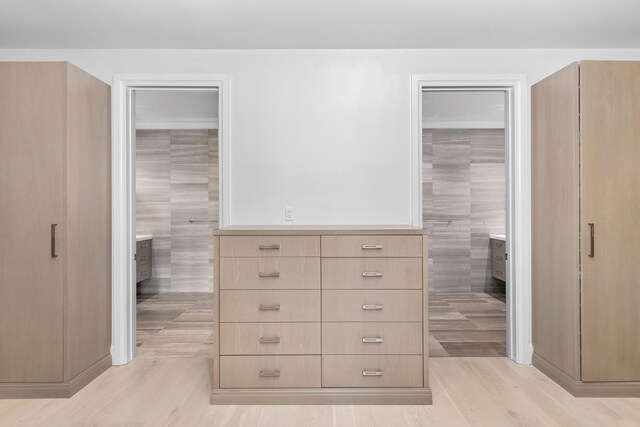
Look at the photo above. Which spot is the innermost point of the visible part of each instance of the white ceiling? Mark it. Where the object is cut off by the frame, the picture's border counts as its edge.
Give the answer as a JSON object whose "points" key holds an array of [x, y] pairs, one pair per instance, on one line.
{"points": [[463, 109], [176, 109], [257, 24]]}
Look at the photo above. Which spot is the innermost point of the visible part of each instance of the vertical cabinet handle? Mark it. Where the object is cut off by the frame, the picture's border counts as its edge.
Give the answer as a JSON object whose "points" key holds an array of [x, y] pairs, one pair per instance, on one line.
{"points": [[53, 241], [592, 245]]}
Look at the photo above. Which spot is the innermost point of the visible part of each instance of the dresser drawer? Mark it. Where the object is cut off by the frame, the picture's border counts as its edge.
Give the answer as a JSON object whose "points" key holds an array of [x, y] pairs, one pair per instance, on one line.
{"points": [[498, 270], [372, 338], [371, 246], [372, 371], [372, 273], [143, 272], [270, 273], [372, 306], [269, 338], [270, 371], [269, 306], [269, 246]]}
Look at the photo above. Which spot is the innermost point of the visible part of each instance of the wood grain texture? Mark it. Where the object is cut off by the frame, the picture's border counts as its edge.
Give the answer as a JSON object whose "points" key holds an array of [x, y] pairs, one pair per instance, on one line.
{"points": [[554, 220], [502, 394], [347, 337], [425, 311], [283, 246], [88, 243], [215, 370], [397, 305], [294, 371], [346, 371], [293, 273], [610, 172], [176, 181], [32, 197], [292, 338], [352, 246], [244, 306], [396, 273], [463, 202]]}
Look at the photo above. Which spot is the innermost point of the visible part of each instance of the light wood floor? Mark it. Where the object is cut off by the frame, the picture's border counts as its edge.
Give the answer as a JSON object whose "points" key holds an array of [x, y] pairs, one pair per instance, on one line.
{"points": [[172, 391], [169, 385], [467, 324]]}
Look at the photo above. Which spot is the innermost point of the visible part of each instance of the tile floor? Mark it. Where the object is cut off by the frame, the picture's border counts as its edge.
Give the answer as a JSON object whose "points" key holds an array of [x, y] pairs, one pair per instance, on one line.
{"points": [[467, 324], [175, 325]]}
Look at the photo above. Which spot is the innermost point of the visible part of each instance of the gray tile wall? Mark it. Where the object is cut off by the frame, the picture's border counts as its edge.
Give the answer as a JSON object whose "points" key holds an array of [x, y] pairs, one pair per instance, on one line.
{"points": [[177, 180], [463, 202]]}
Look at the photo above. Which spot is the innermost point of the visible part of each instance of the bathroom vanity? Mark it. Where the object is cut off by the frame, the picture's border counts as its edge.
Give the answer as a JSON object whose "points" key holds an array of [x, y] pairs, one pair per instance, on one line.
{"points": [[498, 256], [143, 257]]}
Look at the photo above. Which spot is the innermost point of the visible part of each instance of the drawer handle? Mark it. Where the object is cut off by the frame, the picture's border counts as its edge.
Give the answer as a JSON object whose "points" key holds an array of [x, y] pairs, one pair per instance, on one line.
{"points": [[144, 245], [54, 253], [269, 247], [269, 373], [142, 273], [372, 306], [372, 340], [269, 307], [269, 340], [274, 274], [372, 373], [371, 274], [371, 247]]}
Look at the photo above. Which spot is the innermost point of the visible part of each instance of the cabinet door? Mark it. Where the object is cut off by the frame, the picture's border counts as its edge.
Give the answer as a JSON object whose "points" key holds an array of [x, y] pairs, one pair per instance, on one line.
{"points": [[32, 130], [555, 220], [610, 190]]}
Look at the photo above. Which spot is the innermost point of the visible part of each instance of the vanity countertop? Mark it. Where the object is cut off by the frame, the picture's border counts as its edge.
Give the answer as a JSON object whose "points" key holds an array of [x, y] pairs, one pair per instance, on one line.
{"points": [[497, 237], [141, 237]]}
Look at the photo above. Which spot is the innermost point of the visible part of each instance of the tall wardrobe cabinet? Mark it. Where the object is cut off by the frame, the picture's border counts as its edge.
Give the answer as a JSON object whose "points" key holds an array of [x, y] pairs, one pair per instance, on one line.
{"points": [[55, 229], [586, 227]]}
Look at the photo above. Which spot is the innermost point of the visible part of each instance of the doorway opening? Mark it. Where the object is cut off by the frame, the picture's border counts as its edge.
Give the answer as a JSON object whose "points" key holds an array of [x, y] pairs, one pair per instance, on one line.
{"points": [[165, 212], [176, 211], [464, 180], [517, 190]]}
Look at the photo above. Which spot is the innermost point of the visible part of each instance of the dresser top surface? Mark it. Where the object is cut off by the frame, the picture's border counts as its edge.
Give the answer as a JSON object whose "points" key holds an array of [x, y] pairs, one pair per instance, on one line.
{"points": [[307, 230]]}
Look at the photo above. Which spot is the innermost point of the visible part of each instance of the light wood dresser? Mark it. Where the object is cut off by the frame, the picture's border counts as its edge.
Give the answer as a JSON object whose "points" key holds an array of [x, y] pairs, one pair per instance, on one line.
{"points": [[320, 316]]}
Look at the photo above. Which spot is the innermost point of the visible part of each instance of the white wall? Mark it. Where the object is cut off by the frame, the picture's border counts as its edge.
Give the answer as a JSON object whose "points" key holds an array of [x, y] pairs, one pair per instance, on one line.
{"points": [[325, 131]]}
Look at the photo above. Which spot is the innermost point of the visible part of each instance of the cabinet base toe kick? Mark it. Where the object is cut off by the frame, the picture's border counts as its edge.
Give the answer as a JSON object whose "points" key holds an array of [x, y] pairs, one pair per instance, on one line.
{"points": [[322, 396]]}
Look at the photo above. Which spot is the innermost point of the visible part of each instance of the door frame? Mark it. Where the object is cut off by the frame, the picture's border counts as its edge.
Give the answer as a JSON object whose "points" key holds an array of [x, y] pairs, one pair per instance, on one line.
{"points": [[518, 227], [123, 333]]}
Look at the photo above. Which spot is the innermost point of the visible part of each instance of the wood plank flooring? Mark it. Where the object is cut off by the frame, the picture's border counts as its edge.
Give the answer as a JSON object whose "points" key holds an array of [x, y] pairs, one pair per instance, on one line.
{"points": [[174, 391], [467, 324]]}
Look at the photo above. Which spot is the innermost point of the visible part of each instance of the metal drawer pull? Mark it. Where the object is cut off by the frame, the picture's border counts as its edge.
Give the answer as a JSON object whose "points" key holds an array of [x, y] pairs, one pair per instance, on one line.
{"points": [[371, 274], [269, 247], [269, 340], [274, 274], [375, 373], [54, 253], [144, 245], [592, 245], [270, 307], [371, 246], [269, 373], [372, 340], [372, 306]]}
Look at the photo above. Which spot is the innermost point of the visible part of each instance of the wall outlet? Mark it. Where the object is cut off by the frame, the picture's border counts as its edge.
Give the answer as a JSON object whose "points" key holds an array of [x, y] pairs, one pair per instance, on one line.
{"points": [[289, 213]]}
